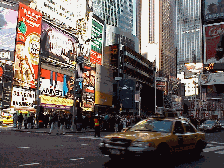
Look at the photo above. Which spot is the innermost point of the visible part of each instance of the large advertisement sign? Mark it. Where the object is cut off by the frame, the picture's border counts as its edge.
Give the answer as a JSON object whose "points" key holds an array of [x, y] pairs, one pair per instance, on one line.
{"points": [[64, 11], [27, 47], [8, 22], [214, 9], [97, 41], [56, 84], [191, 69], [104, 85], [57, 45], [214, 43], [22, 98], [88, 87]]}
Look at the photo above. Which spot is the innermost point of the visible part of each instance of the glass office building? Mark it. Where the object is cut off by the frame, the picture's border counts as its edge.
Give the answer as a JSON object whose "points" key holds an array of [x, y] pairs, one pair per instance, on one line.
{"points": [[117, 13], [188, 33]]}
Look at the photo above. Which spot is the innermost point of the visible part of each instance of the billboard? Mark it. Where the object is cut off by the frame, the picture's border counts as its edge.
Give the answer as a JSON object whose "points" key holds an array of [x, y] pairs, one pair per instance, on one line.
{"points": [[56, 84], [64, 11], [214, 43], [27, 47], [191, 69], [97, 30], [8, 23], [214, 9], [89, 86], [104, 85], [22, 98], [57, 45]]}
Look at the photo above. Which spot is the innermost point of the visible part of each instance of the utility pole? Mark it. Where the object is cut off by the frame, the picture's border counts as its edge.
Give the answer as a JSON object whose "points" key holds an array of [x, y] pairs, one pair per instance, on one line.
{"points": [[155, 82]]}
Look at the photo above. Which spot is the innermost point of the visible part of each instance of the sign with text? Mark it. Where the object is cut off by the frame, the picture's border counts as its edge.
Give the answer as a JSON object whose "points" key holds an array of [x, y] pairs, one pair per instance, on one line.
{"points": [[27, 47], [214, 43]]}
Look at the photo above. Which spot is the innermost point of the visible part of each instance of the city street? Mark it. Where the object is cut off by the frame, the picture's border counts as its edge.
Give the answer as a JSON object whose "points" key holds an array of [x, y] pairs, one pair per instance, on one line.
{"points": [[30, 149]]}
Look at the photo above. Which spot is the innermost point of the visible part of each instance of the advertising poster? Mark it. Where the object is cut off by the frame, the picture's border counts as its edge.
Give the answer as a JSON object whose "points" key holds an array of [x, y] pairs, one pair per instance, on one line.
{"points": [[27, 47], [56, 84], [57, 45], [214, 9], [191, 69], [97, 41], [214, 43], [104, 86], [22, 98], [88, 87], [8, 23]]}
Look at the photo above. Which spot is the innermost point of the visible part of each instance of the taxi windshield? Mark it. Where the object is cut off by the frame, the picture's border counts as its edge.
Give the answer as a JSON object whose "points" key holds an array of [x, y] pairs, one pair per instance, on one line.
{"points": [[153, 126]]}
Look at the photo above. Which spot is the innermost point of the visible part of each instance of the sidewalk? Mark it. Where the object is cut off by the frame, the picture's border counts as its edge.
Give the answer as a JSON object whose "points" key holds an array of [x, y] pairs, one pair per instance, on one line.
{"points": [[47, 130]]}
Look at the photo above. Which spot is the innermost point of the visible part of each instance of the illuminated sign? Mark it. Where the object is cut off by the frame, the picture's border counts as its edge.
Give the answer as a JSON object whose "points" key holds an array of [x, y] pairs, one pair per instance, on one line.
{"points": [[97, 41], [27, 47], [64, 11], [22, 97], [214, 9], [57, 45], [8, 23], [214, 43], [56, 84], [56, 101]]}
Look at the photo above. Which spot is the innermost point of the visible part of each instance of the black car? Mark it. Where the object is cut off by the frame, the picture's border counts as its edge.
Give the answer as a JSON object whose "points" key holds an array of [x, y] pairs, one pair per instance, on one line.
{"points": [[210, 126], [222, 123]]}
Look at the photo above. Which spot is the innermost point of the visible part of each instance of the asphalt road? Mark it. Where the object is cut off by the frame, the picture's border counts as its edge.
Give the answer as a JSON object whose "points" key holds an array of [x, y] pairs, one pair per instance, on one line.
{"points": [[26, 149]]}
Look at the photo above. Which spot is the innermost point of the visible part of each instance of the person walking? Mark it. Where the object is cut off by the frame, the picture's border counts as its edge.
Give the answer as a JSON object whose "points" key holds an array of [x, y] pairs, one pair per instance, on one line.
{"points": [[54, 122], [20, 120], [97, 126], [25, 121], [62, 124], [15, 120]]}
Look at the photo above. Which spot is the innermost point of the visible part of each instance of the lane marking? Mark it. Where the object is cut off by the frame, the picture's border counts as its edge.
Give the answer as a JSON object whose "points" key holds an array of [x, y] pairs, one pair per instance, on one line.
{"points": [[29, 164], [210, 145], [106, 155], [91, 137], [25, 147], [213, 148], [68, 135], [84, 144], [77, 159], [220, 152]]}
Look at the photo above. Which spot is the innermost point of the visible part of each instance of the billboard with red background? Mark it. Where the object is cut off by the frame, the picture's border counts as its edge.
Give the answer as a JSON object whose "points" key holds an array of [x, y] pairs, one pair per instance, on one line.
{"points": [[27, 47], [214, 43]]}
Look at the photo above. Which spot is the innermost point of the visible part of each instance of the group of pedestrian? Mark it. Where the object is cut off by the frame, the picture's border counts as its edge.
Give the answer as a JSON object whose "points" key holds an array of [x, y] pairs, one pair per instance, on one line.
{"points": [[19, 120]]}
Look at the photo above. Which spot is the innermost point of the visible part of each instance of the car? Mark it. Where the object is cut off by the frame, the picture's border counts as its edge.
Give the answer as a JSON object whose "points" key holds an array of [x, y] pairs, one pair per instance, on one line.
{"points": [[221, 123], [210, 126], [155, 137], [6, 120]]}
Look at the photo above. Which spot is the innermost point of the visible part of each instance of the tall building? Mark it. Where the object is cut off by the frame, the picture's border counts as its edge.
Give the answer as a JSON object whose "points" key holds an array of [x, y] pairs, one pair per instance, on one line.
{"points": [[156, 32], [188, 33], [117, 13]]}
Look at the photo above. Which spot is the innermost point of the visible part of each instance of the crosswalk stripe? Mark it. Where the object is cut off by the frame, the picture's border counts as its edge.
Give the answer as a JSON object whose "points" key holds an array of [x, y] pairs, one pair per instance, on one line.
{"points": [[213, 148]]}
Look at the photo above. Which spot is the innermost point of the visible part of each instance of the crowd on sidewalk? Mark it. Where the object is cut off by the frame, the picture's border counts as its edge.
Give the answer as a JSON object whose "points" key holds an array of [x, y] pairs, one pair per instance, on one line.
{"points": [[63, 121]]}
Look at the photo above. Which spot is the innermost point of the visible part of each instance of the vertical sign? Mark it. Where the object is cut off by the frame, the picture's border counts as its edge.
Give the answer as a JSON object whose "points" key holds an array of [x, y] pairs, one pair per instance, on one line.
{"points": [[97, 40], [27, 47]]}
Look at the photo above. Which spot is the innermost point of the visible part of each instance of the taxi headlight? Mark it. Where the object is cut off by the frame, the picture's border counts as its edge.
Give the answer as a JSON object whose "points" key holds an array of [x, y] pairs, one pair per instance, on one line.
{"points": [[141, 144]]}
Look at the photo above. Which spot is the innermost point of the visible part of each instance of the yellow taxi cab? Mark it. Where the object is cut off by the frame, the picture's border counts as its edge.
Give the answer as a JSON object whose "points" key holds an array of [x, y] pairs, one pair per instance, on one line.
{"points": [[6, 120], [158, 136]]}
